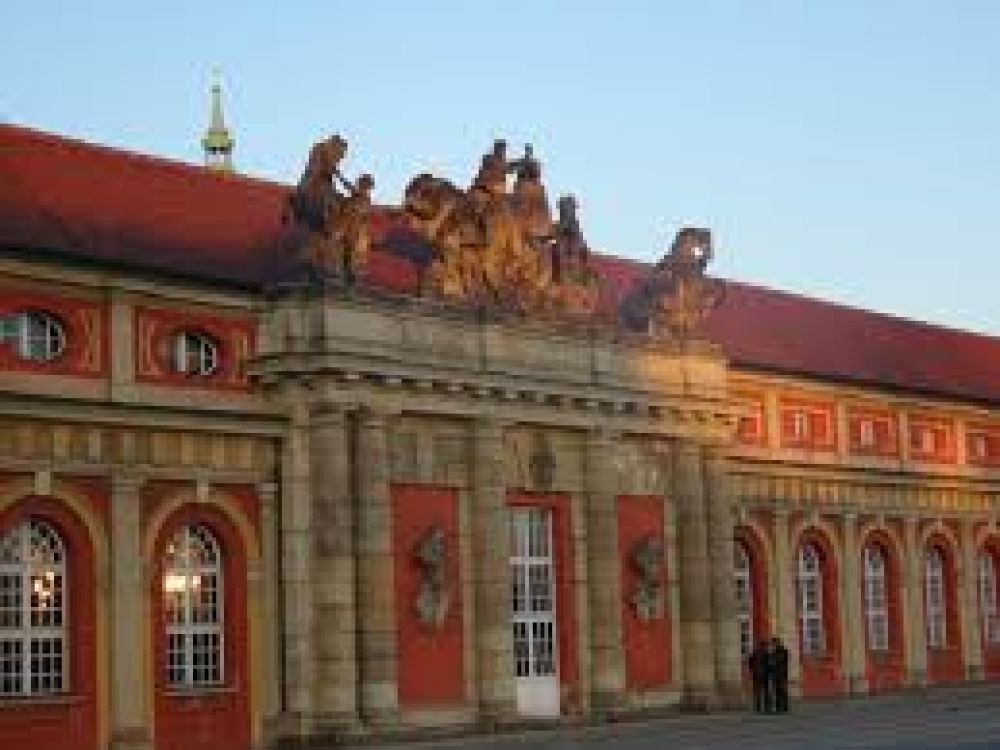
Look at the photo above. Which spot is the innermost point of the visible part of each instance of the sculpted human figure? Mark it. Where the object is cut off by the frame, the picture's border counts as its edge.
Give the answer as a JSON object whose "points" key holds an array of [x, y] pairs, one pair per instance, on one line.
{"points": [[492, 175], [529, 200], [336, 223], [354, 227]]}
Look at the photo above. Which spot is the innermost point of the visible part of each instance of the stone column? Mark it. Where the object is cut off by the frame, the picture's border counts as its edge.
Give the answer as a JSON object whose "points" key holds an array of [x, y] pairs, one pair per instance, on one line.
{"points": [[491, 553], [971, 624], [852, 613], [697, 632], [130, 678], [375, 578], [267, 492], [915, 631], [296, 575], [333, 567], [604, 576], [786, 625], [721, 531]]}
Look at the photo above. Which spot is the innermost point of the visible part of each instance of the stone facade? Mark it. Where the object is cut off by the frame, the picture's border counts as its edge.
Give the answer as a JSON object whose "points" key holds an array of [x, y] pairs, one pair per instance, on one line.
{"points": [[341, 426]]}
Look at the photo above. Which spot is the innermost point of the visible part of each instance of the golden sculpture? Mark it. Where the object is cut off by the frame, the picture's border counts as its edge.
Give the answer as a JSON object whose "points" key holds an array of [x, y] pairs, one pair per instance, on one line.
{"points": [[337, 235], [676, 298], [500, 248]]}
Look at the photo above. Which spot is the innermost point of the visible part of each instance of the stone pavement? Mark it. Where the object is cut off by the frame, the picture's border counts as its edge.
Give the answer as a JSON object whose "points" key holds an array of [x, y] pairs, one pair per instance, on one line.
{"points": [[942, 719]]}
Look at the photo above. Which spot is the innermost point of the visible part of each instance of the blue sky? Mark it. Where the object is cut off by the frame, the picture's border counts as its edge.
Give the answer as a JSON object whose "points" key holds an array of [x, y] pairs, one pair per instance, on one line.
{"points": [[849, 150]]}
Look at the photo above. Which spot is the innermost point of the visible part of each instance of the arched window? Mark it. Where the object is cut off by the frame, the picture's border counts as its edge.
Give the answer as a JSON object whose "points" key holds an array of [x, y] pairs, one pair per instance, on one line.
{"points": [[192, 603], [811, 600], [33, 657], [876, 608], [744, 598], [934, 595], [988, 598]]}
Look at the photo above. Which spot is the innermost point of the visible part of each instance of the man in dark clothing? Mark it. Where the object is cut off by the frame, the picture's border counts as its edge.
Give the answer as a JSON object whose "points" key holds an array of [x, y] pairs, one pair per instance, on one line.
{"points": [[757, 663], [777, 659]]}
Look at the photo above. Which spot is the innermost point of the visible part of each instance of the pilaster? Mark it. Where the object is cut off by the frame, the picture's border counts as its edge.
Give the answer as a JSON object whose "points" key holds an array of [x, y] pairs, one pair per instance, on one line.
{"points": [[968, 599], [267, 493], [604, 576], [852, 613], [915, 631], [786, 626], [333, 566], [721, 531], [697, 632], [375, 577], [130, 708], [296, 576], [491, 545]]}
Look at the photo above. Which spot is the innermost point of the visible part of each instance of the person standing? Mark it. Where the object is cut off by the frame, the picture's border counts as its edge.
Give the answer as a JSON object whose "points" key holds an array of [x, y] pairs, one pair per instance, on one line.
{"points": [[757, 664], [778, 667]]}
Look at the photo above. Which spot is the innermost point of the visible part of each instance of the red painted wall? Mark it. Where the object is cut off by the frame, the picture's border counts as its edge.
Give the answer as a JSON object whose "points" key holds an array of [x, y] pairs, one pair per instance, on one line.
{"points": [[155, 329], [884, 670], [219, 718], [559, 504], [44, 724], [822, 675], [85, 323], [646, 643], [431, 669], [945, 664]]}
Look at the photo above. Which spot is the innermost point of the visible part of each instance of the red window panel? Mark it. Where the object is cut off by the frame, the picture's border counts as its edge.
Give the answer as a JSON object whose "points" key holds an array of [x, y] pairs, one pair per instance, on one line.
{"points": [[982, 445], [808, 424], [750, 428]]}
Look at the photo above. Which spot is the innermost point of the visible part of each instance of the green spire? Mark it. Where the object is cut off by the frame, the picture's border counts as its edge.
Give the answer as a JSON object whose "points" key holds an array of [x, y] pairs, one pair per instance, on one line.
{"points": [[217, 141]]}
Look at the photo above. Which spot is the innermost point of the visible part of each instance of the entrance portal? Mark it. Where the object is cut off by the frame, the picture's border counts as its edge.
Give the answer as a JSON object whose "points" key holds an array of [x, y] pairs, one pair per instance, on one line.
{"points": [[534, 615]]}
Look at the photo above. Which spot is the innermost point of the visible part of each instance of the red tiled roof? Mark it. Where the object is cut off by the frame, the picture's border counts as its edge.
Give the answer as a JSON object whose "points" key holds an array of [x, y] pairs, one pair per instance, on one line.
{"points": [[100, 204]]}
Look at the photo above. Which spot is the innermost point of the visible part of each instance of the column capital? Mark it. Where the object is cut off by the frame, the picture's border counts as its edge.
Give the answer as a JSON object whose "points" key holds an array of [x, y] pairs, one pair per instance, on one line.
{"points": [[326, 411], [267, 492], [126, 480], [373, 416]]}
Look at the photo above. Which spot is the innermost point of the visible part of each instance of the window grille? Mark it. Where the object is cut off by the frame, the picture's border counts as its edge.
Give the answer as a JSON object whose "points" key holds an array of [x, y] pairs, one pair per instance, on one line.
{"points": [[934, 594], [988, 598], [33, 633], [192, 606], [744, 599], [876, 607], [195, 353], [35, 335], [811, 600]]}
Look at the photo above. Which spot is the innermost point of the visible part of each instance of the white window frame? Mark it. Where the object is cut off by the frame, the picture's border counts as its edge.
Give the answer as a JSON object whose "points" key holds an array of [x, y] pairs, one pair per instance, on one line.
{"points": [[182, 578], [196, 353], [876, 598], [743, 572], [935, 598], [810, 593], [800, 425], [37, 336], [927, 440], [978, 446], [33, 554], [867, 433], [989, 608]]}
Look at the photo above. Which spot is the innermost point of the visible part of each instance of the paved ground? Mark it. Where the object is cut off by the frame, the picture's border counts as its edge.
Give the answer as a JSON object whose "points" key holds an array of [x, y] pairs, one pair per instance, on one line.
{"points": [[958, 719]]}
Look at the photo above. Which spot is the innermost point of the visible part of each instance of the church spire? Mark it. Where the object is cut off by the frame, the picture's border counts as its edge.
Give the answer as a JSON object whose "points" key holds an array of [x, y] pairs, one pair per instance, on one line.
{"points": [[217, 141]]}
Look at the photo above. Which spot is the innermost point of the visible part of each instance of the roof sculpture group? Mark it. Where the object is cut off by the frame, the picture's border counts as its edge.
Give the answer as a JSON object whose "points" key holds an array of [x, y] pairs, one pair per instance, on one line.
{"points": [[496, 244]]}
